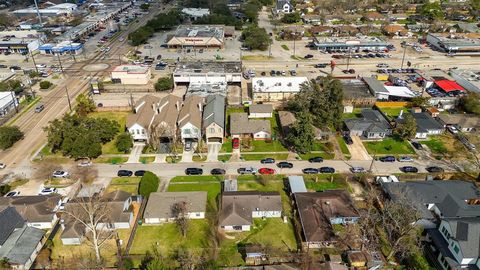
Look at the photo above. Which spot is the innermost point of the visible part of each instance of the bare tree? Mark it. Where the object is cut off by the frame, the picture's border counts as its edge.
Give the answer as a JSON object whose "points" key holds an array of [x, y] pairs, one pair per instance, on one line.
{"points": [[84, 174], [179, 212], [44, 169], [93, 213], [187, 259]]}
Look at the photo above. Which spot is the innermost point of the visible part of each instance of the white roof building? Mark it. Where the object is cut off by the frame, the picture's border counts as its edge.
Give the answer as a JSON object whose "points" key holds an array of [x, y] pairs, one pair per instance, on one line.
{"points": [[131, 74], [195, 13], [7, 102], [276, 88], [399, 91]]}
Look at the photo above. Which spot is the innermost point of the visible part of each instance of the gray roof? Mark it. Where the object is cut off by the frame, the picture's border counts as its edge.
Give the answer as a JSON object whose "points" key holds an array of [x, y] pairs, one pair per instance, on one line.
{"points": [[208, 67], [144, 112], [281, 3], [260, 108], [449, 196], [10, 220], [462, 120], [296, 184], [191, 112], [237, 206], [240, 124], [21, 244], [375, 85], [425, 122], [466, 232], [372, 121], [33, 208], [214, 111], [160, 203]]}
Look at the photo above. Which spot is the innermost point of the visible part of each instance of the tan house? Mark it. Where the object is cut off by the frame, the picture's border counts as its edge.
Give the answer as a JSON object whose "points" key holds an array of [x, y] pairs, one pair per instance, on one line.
{"points": [[373, 16], [394, 30], [243, 127], [131, 74], [190, 119], [214, 119]]}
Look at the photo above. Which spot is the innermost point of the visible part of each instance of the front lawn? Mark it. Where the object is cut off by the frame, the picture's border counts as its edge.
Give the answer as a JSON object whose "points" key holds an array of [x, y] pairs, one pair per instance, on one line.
{"points": [[111, 160], [227, 146], [312, 155], [436, 145], [146, 160], [266, 146], [343, 147], [197, 178], [262, 156], [389, 146], [121, 118], [125, 181]]}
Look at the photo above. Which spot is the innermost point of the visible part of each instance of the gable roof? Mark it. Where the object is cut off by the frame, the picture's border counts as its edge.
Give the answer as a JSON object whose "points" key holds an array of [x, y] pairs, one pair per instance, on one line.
{"points": [[144, 112], [160, 203], [425, 122], [281, 3], [287, 119], [21, 244], [10, 220], [241, 124], [260, 108], [191, 112], [371, 121], [237, 206], [33, 208], [463, 120], [317, 208], [467, 233], [168, 107], [214, 111]]}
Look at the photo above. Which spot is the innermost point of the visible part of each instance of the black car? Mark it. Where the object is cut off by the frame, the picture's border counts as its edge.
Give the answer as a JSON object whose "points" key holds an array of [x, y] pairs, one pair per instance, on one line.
{"points": [[193, 171], [15, 68], [308, 56], [285, 164], [348, 140], [3, 66], [387, 159], [310, 171], [139, 173], [326, 170], [434, 169], [417, 145], [321, 65], [217, 171], [409, 169], [126, 173], [315, 160], [267, 160]]}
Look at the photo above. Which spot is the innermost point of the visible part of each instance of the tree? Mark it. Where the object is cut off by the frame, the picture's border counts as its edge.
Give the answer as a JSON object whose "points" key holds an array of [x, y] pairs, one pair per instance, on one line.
{"points": [[148, 184], [251, 9], [9, 135], [85, 105], [93, 213], [124, 142], [301, 134], [45, 84], [11, 85], [293, 17], [164, 84], [470, 103], [33, 74], [256, 38], [144, 6], [406, 129], [420, 101], [432, 10], [153, 261], [4, 189], [180, 212]]}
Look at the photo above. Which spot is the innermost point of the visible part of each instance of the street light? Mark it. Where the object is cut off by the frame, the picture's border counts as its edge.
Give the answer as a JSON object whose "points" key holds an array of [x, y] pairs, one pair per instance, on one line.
{"points": [[294, 37]]}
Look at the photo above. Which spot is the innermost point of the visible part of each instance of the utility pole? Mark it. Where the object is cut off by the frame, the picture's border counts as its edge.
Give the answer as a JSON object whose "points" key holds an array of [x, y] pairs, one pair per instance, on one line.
{"points": [[60, 62], [294, 38], [403, 57], [14, 101], [348, 58], [68, 98], [34, 63]]}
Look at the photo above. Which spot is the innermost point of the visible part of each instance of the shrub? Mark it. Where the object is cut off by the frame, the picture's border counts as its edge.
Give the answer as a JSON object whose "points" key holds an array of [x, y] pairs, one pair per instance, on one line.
{"points": [[124, 142], [4, 189], [9, 136], [45, 84], [164, 84], [148, 184]]}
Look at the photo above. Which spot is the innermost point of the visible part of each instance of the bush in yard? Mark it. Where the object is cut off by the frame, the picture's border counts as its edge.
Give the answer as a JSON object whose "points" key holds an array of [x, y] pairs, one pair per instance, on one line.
{"points": [[9, 136], [45, 84], [85, 105], [124, 142], [4, 189], [148, 184], [164, 84], [291, 17]]}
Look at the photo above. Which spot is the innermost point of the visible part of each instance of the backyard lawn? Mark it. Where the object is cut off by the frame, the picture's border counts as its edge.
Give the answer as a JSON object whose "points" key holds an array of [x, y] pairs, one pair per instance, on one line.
{"points": [[389, 146], [357, 113], [393, 112], [121, 118]]}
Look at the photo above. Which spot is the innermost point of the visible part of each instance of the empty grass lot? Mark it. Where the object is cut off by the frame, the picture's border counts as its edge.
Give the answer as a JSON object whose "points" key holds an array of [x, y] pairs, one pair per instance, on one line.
{"points": [[393, 112], [197, 178], [321, 182], [389, 146], [127, 184], [277, 157], [121, 118], [436, 145]]}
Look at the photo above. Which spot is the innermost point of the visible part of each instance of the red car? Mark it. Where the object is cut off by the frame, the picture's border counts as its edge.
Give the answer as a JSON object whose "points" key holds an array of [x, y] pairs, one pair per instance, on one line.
{"points": [[266, 171], [236, 143]]}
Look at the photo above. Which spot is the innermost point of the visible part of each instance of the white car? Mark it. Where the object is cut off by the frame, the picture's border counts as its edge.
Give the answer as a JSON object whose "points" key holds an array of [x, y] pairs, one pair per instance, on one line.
{"points": [[85, 163], [405, 159], [357, 170], [452, 129], [2, 165], [60, 174], [47, 191], [12, 194], [41, 66]]}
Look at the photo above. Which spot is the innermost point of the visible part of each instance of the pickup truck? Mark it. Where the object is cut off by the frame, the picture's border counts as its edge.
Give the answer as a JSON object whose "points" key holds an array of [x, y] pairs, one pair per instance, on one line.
{"points": [[248, 170]]}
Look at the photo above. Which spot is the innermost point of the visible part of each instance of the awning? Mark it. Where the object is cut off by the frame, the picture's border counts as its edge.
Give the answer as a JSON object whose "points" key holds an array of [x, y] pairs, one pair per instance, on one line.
{"points": [[449, 86]]}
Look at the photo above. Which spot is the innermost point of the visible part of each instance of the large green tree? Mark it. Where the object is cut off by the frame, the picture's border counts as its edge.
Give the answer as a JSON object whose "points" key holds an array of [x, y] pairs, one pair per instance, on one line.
{"points": [[256, 38], [148, 184], [124, 142], [11, 85], [9, 135], [432, 10], [301, 134], [406, 129], [470, 103], [85, 105], [293, 17], [164, 84]]}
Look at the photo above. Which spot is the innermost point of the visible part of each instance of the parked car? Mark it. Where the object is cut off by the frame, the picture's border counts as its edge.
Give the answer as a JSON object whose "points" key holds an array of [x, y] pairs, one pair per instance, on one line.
{"points": [[266, 171], [47, 191], [217, 171], [139, 173], [193, 171], [405, 159], [12, 194], [417, 145], [3, 66], [434, 169], [293, 72], [2, 165], [285, 164], [267, 160], [39, 108], [41, 65], [310, 171], [124, 173], [321, 65], [348, 140], [248, 170], [387, 159], [315, 160], [409, 169], [308, 56], [452, 129], [236, 143], [60, 174], [326, 170], [85, 163], [357, 170]]}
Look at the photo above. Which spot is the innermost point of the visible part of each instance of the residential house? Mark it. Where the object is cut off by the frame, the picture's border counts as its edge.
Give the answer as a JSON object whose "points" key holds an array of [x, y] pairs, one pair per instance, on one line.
{"points": [[321, 30], [37, 211], [464, 122], [394, 30], [164, 124], [283, 6], [260, 111], [372, 125], [214, 119], [239, 208], [373, 16], [8, 102], [345, 30], [190, 119], [319, 211], [287, 119], [426, 124], [243, 127], [270, 89], [138, 124], [160, 205], [119, 215], [19, 243], [307, 8]]}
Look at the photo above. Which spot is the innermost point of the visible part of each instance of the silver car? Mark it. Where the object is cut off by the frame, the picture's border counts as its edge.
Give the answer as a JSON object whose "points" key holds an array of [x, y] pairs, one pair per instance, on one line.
{"points": [[405, 159], [357, 170]]}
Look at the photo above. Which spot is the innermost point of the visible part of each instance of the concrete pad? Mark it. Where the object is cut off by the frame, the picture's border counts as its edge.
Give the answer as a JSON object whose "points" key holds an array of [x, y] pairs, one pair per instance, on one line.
{"points": [[187, 156], [134, 156], [358, 150], [213, 150]]}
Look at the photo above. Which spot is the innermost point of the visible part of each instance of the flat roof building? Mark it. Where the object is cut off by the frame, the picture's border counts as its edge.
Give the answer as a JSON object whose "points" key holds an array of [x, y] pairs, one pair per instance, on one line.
{"points": [[20, 41], [195, 13], [64, 47], [383, 92], [455, 44], [203, 36], [276, 88], [208, 72], [330, 44], [131, 74], [52, 11], [468, 79]]}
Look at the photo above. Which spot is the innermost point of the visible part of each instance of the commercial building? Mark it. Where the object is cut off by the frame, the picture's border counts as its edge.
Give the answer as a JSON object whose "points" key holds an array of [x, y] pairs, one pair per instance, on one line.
{"points": [[160, 205], [454, 44], [198, 36], [276, 88], [207, 72], [468, 79], [131, 74], [20, 41], [330, 44], [391, 93], [64, 47], [63, 9], [8, 102], [195, 13]]}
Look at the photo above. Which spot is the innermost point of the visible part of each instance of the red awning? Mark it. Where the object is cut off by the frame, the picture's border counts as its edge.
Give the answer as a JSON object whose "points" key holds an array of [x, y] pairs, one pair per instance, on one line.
{"points": [[448, 86]]}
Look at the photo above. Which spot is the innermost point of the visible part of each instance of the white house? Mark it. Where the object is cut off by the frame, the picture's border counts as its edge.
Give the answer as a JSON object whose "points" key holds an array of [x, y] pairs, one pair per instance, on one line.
{"points": [[283, 6], [426, 125], [138, 124], [260, 111], [8, 102], [190, 119], [160, 204], [270, 89]]}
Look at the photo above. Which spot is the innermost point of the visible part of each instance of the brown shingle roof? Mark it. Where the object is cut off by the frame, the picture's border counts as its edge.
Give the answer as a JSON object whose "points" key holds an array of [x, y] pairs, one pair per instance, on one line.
{"points": [[261, 108], [240, 124], [33, 208], [144, 112], [463, 120], [160, 203], [191, 111]]}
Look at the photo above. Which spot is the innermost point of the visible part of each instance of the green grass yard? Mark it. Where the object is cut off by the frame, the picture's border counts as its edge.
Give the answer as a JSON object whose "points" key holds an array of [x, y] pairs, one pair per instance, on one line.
{"points": [[393, 112], [389, 146], [212, 189], [121, 118], [436, 145], [267, 146], [248, 157], [343, 147], [111, 160], [320, 182], [227, 146], [146, 160], [197, 178]]}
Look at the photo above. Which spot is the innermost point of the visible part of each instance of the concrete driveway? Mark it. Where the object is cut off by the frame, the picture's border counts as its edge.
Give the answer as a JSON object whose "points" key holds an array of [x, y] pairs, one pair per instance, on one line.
{"points": [[187, 156], [213, 150], [134, 156], [358, 150]]}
